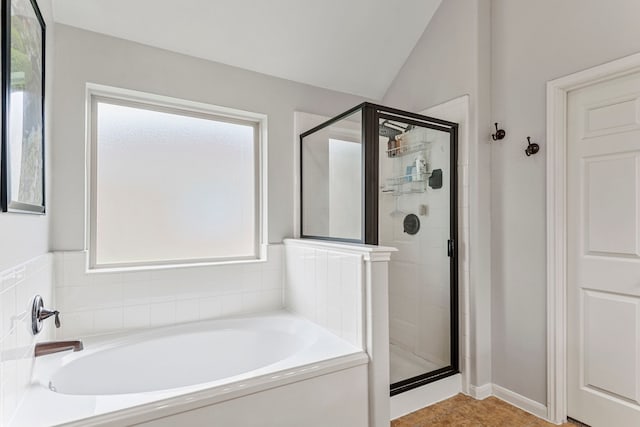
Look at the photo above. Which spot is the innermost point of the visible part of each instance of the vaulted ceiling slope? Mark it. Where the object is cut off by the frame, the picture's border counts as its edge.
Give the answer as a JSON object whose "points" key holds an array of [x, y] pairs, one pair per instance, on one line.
{"points": [[352, 46]]}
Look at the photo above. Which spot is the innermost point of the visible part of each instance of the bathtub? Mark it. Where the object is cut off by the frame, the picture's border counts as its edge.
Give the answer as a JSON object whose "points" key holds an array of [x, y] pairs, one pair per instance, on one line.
{"points": [[275, 369]]}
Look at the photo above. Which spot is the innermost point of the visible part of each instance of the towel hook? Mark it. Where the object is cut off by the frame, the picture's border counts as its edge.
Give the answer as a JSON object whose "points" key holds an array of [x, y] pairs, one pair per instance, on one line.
{"points": [[532, 148], [500, 134]]}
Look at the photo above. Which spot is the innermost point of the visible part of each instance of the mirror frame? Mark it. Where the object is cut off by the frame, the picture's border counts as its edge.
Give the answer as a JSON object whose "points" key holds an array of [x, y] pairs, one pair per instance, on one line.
{"points": [[7, 201]]}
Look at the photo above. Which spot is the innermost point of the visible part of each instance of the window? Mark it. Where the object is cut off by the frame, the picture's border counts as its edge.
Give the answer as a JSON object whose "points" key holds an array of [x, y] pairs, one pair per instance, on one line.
{"points": [[172, 182]]}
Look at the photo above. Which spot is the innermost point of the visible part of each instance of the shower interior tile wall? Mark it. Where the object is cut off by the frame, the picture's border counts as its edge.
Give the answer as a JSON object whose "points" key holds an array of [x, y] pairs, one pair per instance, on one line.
{"points": [[95, 303], [419, 271], [18, 285]]}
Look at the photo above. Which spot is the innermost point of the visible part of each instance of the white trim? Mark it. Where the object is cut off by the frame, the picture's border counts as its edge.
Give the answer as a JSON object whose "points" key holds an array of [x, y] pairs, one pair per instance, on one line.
{"points": [[481, 392], [421, 397], [557, 92], [519, 401]]}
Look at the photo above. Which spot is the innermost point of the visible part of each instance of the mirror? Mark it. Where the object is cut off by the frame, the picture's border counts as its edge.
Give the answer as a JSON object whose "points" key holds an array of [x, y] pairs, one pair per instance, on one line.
{"points": [[22, 187]]}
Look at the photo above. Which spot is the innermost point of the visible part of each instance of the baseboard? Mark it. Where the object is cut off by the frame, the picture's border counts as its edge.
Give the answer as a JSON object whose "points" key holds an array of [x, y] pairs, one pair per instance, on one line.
{"points": [[519, 401], [481, 392]]}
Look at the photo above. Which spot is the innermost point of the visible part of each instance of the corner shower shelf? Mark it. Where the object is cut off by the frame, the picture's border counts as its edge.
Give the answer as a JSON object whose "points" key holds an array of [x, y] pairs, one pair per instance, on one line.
{"points": [[401, 192], [406, 149], [407, 179], [404, 184]]}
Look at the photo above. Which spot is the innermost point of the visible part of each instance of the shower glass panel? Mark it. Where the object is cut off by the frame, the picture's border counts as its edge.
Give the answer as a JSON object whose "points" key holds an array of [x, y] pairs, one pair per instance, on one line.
{"points": [[331, 160], [414, 216], [382, 176]]}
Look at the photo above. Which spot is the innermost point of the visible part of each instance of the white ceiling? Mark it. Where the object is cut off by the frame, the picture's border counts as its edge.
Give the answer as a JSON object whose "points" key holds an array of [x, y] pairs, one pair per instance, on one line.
{"points": [[353, 46]]}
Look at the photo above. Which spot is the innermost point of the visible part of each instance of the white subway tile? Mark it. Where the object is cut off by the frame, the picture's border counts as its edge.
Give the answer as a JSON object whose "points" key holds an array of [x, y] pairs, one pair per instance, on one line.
{"points": [[17, 287], [91, 297], [136, 316], [103, 279], [210, 307], [271, 279], [187, 310], [8, 280], [162, 291], [231, 304], [136, 276], [108, 319], [20, 273], [252, 302], [8, 301], [271, 300], [135, 293], [76, 324], [251, 277], [162, 313]]}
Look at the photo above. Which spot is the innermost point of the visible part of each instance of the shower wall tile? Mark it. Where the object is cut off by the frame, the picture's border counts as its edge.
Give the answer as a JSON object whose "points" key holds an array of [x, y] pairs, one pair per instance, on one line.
{"points": [[95, 303], [18, 286], [419, 271], [326, 286]]}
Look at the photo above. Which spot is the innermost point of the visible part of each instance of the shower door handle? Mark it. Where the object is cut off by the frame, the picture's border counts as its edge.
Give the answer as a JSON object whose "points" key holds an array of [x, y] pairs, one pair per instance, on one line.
{"points": [[451, 248]]}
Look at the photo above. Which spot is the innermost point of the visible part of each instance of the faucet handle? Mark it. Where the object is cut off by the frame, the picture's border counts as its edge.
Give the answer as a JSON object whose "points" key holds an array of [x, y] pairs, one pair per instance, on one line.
{"points": [[39, 314], [45, 314]]}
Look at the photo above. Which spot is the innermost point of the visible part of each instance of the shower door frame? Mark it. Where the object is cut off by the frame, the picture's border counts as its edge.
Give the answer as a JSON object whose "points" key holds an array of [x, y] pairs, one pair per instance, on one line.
{"points": [[452, 247], [371, 115]]}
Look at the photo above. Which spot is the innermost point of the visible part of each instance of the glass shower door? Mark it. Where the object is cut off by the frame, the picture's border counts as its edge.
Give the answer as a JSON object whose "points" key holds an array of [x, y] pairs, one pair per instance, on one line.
{"points": [[416, 215]]}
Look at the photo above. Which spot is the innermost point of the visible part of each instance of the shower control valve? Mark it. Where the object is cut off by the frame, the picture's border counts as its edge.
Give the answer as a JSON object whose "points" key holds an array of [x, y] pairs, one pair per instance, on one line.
{"points": [[39, 314]]}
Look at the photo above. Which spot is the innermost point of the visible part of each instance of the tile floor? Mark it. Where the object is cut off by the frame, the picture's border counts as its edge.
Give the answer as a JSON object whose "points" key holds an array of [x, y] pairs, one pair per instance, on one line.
{"points": [[464, 411]]}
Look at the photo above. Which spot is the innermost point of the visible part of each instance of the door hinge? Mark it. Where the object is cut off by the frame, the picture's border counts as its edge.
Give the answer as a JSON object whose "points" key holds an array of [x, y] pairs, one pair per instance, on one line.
{"points": [[451, 248]]}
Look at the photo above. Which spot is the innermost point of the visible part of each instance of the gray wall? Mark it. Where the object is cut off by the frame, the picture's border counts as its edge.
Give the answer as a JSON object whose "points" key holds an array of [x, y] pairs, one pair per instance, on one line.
{"points": [[533, 42], [27, 236], [450, 60], [83, 56], [530, 43]]}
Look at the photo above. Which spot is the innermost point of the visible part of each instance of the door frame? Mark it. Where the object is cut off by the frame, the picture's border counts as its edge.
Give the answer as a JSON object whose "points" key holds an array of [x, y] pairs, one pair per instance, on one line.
{"points": [[556, 163]]}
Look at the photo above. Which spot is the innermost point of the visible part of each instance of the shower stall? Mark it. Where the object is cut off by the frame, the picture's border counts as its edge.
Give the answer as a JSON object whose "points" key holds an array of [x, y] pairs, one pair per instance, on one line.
{"points": [[382, 176]]}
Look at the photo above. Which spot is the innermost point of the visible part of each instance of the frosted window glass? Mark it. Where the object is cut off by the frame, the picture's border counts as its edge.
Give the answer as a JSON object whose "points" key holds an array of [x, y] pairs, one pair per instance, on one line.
{"points": [[172, 187]]}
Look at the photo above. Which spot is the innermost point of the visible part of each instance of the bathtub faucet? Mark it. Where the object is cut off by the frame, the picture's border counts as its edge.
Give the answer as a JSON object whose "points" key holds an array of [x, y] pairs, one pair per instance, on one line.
{"points": [[43, 348]]}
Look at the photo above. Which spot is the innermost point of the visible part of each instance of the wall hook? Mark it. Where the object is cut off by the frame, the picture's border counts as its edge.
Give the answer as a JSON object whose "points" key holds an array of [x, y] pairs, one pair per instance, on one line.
{"points": [[532, 148], [500, 134]]}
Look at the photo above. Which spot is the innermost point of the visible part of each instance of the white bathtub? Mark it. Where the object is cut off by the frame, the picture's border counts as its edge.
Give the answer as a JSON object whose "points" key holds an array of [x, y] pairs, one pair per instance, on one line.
{"points": [[200, 374]]}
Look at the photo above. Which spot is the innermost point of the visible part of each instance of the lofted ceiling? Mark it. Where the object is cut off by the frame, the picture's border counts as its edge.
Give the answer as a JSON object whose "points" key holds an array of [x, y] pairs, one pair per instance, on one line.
{"points": [[352, 46]]}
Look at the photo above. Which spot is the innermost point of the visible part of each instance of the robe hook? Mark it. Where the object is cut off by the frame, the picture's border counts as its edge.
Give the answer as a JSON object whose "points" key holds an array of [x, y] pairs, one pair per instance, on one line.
{"points": [[500, 134], [532, 148]]}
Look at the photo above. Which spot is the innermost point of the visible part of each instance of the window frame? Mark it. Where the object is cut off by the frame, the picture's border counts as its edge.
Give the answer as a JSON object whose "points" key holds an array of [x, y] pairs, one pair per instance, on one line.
{"points": [[124, 97]]}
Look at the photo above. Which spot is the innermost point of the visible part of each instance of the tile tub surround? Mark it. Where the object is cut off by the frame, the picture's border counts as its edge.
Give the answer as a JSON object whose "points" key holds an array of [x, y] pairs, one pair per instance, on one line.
{"points": [[326, 287], [18, 286], [313, 285], [102, 302]]}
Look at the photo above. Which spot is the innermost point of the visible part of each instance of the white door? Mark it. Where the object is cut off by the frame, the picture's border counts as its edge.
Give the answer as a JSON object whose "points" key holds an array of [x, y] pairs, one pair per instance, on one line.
{"points": [[603, 206]]}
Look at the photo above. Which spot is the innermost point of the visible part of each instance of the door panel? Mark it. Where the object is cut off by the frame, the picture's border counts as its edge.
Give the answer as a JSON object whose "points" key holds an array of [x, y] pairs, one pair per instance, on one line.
{"points": [[613, 371], [603, 254], [611, 213]]}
